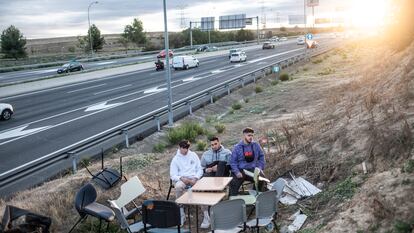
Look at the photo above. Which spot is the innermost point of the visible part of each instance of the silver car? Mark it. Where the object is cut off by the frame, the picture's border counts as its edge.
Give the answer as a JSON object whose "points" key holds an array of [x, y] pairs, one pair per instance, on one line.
{"points": [[6, 111]]}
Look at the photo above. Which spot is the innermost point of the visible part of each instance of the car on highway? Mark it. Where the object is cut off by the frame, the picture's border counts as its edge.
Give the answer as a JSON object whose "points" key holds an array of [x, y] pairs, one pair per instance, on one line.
{"points": [[274, 39], [300, 40], [231, 51], [268, 45], [212, 49], [161, 54], [70, 67], [206, 48], [238, 57], [184, 62], [283, 39], [6, 111]]}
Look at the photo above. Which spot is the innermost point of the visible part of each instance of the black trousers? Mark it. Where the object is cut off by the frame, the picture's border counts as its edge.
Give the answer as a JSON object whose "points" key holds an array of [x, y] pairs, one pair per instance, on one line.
{"points": [[223, 170], [237, 182]]}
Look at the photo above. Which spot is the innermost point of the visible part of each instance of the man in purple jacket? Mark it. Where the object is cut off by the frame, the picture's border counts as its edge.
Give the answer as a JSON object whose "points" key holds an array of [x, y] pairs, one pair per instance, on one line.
{"points": [[248, 155]]}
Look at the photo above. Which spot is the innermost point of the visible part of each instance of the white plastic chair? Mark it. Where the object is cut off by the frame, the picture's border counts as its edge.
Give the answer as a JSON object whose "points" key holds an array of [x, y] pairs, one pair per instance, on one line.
{"points": [[130, 190], [123, 222]]}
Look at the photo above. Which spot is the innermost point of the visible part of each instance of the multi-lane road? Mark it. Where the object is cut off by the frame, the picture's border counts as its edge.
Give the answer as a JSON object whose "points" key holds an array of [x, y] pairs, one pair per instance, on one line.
{"points": [[48, 120]]}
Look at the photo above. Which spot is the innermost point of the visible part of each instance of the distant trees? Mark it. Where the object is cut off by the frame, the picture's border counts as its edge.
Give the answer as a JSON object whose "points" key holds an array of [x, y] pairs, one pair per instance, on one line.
{"points": [[13, 43], [134, 33], [94, 34]]}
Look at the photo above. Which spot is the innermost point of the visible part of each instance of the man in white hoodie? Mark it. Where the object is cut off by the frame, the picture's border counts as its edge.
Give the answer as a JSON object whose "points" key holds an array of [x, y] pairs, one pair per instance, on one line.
{"points": [[185, 170]]}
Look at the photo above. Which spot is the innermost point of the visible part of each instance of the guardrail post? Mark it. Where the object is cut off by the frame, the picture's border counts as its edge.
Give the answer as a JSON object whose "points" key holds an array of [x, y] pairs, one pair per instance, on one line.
{"points": [[125, 132], [264, 74], [228, 89], [211, 98], [190, 107], [157, 119], [254, 78], [72, 155], [242, 82]]}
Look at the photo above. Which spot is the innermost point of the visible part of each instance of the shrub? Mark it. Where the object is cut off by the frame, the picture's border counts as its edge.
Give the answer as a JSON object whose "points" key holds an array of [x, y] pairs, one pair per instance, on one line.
{"points": [[284, 77], [220, 128], [258, 89], [317, 61], [158, 148], [236, 106], [327, 71], [246, 100], [408, 166], [274, 82], [201, 145], [187, 131], [305, 69]]}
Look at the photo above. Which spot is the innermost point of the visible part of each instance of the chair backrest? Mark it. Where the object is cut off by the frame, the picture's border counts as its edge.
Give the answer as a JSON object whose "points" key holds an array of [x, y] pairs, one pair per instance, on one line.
{"points": [[161, 214], [266, 204], [228, 214], [279, 185], [85, 196], [119, 215], [130, 190]]}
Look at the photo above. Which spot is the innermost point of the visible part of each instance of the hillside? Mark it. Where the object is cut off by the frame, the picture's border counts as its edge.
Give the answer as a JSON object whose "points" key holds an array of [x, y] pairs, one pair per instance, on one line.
{"points": [[343, 108]]}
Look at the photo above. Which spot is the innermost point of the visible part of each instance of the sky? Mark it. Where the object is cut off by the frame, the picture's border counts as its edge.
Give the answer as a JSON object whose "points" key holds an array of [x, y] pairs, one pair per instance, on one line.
{"points": [[59, 18]]}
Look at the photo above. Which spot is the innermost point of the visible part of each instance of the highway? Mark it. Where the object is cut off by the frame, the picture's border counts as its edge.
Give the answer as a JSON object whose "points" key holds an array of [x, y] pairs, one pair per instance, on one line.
{"points": [[49, 120]]}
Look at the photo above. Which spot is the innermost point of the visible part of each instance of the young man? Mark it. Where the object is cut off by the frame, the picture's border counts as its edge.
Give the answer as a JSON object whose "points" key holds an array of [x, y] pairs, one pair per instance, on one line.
{"points": [[248, 155], [214, 163], [185, 170], [215, 159]]}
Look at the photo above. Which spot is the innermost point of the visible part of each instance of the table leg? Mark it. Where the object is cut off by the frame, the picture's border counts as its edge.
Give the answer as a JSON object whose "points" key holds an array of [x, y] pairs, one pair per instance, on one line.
{"points": [[196, 218], [189, 219]]}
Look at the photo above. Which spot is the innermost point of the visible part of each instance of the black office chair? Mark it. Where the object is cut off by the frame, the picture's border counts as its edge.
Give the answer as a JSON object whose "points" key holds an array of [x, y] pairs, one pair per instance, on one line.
{"points": [[169, 189], [161, 215], [85, 204]]}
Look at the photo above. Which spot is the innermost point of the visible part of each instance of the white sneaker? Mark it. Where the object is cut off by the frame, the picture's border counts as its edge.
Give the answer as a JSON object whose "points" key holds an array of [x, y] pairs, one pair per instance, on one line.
{"points": [[206, 222]]}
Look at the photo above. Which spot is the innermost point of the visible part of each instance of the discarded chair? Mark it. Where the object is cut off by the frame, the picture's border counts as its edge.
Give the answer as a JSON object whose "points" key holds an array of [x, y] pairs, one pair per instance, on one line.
{"points": [[18, 220], [266, 208], [228, 216], [85, 204]]}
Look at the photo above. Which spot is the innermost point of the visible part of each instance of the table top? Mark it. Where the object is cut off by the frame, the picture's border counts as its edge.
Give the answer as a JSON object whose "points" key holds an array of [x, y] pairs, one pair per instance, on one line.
{"points": [[201, 198], [212, 184]]}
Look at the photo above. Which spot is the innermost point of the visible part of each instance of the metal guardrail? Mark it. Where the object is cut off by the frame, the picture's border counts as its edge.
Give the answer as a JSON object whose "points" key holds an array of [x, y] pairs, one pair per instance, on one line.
{"points": [[202, 97]]}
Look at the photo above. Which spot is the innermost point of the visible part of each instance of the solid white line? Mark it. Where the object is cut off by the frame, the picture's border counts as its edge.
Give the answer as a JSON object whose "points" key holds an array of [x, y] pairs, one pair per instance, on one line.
{"points": [[86, 88], [116, 88]]}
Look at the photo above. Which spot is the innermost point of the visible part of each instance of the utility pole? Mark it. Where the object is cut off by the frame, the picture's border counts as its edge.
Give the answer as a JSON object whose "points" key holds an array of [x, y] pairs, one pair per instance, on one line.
{"points": [[168, 71], [89, 29], [257, 30], [191, 35]]}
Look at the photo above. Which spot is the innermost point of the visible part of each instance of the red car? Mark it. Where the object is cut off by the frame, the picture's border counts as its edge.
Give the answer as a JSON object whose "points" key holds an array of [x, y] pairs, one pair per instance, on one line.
{"points": [[162, 53]]}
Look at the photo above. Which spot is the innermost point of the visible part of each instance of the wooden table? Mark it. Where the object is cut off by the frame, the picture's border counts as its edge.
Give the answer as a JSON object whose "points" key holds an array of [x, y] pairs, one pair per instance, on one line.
{"points": [[199, 199], [212, 184]]}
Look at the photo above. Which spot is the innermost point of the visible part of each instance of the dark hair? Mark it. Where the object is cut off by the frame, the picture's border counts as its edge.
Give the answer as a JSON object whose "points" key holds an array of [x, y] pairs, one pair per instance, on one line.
{"points": [[184, 144], [213, 138], [248, 130]]}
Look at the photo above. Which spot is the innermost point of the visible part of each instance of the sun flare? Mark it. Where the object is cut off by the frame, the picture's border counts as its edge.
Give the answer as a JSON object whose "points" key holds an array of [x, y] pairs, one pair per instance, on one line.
{"points": [[368, 14]]}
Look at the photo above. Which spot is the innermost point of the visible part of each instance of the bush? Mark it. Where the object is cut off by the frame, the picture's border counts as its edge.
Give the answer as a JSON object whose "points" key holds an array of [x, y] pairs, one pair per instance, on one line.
{"points": [[327, 71], [274, 82], [258, 89], [305, 69], [246, 100], [187, 131], [220, 128], [158, 148], [236, 106], [317, 61], [284, 77], [201, 145]]}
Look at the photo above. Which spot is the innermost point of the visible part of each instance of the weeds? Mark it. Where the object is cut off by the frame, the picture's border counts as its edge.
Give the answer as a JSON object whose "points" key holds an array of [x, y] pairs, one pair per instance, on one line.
{"points": [[317, 61], [258, 89], [236, 106], [246, 100], [305, 69], [327, 71], [408, 166], [158, 148], [403, 227], [187, 131], [220, 128], [139, 162], [274, 82], [342, 191], [201, 145]]}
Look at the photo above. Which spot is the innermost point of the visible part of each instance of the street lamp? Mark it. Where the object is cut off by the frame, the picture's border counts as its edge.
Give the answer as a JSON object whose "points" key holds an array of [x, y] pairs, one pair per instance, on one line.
{"points": [[168, 71], [89, 23]]}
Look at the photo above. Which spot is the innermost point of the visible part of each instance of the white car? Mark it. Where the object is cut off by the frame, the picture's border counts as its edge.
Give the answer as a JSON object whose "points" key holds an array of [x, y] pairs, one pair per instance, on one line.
{"points": [[238, 57], [6, 111], [283, 39], [231, 51], [300, 40], [184, 62]]}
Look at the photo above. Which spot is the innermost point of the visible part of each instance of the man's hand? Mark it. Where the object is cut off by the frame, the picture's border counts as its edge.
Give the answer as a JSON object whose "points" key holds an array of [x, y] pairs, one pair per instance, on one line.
{"points": [[208, 170], [193, 181], [239, 175], [214, 168], [185, 180]]}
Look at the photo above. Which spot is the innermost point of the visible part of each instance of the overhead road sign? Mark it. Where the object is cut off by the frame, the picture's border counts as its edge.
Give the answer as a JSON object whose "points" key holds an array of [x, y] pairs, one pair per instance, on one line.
{"points": [[232, 21], [207, 23], [296, 19], [312, 3], [249, 21]]}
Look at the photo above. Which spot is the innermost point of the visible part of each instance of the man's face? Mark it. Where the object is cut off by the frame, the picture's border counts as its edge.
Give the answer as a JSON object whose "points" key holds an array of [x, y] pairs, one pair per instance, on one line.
{"points": [[248, 137], [183, 151], [215, 145]]}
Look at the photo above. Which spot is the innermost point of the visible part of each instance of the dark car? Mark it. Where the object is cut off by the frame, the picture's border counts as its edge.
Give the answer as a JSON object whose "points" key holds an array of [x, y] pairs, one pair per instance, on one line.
{"points": [[268, 45], [70, 67]]}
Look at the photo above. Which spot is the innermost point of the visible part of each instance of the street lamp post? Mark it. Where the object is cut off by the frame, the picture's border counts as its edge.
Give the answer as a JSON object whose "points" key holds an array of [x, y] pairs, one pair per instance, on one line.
{"points": [[168, 71], [89, 23]]}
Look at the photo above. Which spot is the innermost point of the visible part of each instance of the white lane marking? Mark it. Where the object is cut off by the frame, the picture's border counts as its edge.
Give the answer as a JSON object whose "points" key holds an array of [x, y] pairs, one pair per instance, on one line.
{"points": [[86, 88], [238, 65], [105, 63], [216, 71], [40, 71], [21, 132], [154, 90], [101, 106], [116, 88], [191, 79]]}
